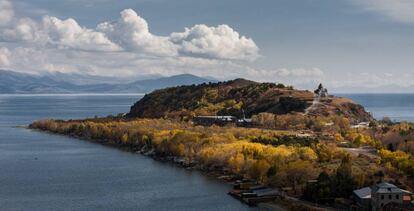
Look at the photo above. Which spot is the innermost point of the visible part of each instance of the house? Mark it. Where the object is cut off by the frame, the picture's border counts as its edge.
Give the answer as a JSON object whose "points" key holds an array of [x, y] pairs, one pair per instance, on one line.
{"points": [[363, 198], [386, 193], [381, 196], [214, 120]]}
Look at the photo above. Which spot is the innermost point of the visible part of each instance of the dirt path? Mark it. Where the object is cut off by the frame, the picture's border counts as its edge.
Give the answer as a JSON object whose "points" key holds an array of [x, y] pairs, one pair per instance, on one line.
{"points": [[370, 152]]}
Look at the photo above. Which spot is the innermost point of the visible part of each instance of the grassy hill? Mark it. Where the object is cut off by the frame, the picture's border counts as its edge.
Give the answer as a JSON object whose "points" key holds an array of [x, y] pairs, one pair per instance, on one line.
{"points": [[235, 96]]}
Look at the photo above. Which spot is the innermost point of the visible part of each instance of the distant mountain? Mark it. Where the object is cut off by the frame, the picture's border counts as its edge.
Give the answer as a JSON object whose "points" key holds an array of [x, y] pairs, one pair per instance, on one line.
{"points": [[22, 83]]}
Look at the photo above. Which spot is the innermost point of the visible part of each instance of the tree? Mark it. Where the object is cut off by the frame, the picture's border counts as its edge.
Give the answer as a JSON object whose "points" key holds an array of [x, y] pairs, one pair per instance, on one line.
{"points": [[344, 181], [236, 162], [259, 169], [391, 147], [319, 192], [124, 138], [299, 172], [339, 138]]}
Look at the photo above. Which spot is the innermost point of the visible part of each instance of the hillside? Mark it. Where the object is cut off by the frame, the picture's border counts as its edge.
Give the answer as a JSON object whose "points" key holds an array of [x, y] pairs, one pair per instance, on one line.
{"points": [[234, 97], [22, 83]]}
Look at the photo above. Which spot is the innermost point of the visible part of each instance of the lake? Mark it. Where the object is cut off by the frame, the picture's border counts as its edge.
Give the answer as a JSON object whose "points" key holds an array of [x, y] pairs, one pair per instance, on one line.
{"points": [[40, 171], [398, 107]]}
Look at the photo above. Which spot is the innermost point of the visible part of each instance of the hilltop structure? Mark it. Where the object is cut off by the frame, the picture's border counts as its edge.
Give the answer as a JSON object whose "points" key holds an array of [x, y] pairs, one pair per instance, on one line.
{"points": [[321, 91]]}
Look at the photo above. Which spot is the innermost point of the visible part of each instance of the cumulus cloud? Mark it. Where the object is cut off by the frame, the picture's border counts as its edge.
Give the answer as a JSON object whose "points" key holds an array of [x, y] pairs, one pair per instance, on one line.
{"points": [[60, 33], [399, 10], [220, 42], [132, 33], [6, 12], [24, 29], [69, 33], [119, 47]]}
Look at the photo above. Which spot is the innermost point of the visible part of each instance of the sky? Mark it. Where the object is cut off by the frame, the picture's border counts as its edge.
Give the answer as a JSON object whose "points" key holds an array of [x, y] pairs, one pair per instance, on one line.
{"points": [[359, 45]]}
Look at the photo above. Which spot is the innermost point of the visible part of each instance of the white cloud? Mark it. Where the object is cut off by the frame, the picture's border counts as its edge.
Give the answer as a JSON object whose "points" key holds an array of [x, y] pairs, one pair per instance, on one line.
{"points": [[60, 33], [70, 34], [399, 10], [300, 72], [6, 12], [132, 33], [126, 47], [4, 57], [220, 42], [24, 29]]}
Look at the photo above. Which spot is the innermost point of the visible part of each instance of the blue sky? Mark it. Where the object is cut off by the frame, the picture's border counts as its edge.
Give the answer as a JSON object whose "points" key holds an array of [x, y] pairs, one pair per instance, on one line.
{"points": [[348, 43]]}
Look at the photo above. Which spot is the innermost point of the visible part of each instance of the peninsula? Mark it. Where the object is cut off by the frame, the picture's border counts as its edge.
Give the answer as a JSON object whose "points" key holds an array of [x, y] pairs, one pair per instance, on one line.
{"points": [[298, 144]]}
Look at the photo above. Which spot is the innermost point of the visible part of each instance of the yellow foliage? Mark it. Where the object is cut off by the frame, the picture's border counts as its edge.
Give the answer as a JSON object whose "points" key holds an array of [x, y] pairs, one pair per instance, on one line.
{"points": [[226, 147]]}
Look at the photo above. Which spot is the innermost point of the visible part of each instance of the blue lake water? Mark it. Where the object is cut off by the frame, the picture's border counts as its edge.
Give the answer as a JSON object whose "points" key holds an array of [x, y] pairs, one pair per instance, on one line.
{"points": [[399, 107], [40, 171]]}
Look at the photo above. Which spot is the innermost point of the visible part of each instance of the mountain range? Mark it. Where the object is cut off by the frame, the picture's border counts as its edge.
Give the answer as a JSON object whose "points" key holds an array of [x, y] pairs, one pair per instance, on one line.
{"points": [[12, 82]]}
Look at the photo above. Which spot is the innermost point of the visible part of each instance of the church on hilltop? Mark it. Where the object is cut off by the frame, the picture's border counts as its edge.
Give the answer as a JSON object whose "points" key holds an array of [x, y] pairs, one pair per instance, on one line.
{"points": [[321, 91]]}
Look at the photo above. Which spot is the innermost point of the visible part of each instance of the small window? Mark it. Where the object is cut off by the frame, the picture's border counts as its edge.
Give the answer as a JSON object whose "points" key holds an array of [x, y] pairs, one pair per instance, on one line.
{"points": [[397, 196], [390, 196], [382, 197]]}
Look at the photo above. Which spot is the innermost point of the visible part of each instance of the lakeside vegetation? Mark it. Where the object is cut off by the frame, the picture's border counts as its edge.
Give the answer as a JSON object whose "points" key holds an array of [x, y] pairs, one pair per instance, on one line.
{"points": [[277, 158], [210, 147]]}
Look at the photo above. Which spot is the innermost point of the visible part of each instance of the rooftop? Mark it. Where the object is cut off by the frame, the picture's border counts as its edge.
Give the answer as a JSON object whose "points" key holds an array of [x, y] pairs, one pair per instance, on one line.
{"points": [[363, 193], [385, 187]]}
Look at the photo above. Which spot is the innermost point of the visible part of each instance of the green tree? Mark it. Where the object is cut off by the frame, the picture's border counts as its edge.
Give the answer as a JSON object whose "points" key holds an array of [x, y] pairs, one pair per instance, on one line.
{"points": [[344, 181]]}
